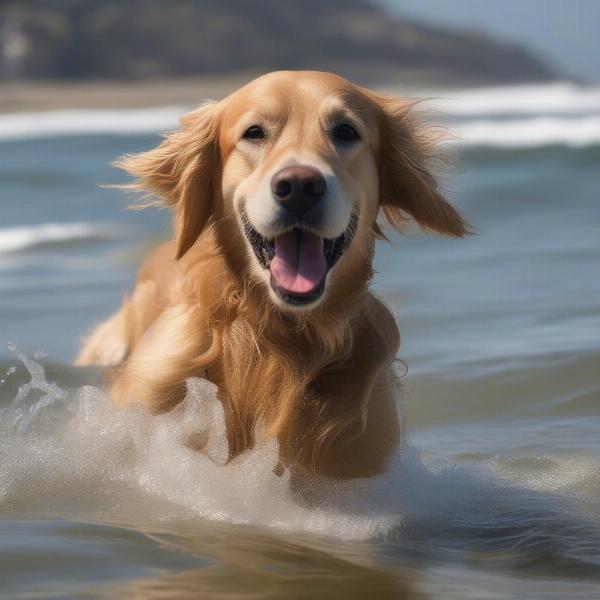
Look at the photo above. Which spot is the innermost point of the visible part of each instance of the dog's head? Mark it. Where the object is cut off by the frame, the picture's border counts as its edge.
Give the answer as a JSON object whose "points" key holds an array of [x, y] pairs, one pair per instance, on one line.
{"points": [[295, 167]]}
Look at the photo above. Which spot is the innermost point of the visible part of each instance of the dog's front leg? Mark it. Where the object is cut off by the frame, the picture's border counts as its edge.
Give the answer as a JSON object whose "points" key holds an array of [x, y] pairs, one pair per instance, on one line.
{"points": [[365, 405], [178, 345], [349, 425]]}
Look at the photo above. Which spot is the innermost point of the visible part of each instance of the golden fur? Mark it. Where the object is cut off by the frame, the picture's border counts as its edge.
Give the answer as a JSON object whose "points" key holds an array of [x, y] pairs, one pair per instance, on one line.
{"points": [[320, 380]]}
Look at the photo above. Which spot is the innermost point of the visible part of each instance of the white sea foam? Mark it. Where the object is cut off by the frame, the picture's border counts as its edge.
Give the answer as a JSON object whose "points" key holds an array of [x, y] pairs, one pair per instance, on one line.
{"points": [[73, 452], [554, 98], [62, 447], [36, 125], [15, 239], [529, 133]]}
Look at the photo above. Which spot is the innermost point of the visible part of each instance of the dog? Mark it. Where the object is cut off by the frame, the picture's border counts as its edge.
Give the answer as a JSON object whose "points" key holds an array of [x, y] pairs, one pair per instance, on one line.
{"points": [[276, 193]]}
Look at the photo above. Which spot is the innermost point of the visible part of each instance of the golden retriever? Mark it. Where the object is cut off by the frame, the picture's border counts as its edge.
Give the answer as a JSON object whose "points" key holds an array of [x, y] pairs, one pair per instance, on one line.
{"points": [[264, 290]]}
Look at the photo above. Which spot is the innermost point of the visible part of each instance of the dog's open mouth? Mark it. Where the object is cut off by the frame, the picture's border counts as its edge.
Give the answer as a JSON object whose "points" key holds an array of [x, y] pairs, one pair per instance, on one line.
{"points": [[299, 260]]}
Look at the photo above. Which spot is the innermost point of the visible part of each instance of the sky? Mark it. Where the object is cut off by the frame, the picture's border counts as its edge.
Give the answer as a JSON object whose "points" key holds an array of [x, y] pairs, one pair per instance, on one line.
{"points": [[566, 33]]}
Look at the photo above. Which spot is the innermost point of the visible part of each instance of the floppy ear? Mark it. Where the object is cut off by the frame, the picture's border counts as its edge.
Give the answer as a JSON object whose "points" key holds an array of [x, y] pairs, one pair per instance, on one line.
{"points": [[407, 186], [182, 170]]}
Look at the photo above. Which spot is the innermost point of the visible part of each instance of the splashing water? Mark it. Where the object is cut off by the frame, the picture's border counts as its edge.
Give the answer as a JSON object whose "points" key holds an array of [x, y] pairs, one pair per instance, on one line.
{"points": [[72, 452], [10, 371], [62, 446]]}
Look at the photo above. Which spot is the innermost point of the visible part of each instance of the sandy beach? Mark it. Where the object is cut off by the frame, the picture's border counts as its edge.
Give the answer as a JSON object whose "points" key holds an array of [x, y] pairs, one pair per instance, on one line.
{"points": [[49, 95], [58, 95]]}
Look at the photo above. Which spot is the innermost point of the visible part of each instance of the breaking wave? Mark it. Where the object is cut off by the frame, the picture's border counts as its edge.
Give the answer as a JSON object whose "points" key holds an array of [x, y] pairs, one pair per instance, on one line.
{"points": [[27, 237], [35, 125], [529, 133], [562, 98]]}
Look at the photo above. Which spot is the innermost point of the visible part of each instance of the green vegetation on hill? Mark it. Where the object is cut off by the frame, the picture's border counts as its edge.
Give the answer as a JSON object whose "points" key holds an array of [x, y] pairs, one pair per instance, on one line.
{"points": [[139, 39]]}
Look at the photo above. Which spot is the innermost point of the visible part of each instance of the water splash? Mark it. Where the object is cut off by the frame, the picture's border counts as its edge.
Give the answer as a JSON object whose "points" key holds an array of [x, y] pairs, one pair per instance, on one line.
{"points": [[10, 371], [72, 452], [75, 448]]}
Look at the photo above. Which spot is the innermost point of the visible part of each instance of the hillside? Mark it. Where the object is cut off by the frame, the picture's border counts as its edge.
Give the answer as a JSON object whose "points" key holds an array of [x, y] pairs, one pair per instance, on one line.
{"points": [[143, 39]]}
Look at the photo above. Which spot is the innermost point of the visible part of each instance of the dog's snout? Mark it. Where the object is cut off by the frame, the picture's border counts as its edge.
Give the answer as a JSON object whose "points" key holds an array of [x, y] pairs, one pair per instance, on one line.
{"points": [[298, 189]]}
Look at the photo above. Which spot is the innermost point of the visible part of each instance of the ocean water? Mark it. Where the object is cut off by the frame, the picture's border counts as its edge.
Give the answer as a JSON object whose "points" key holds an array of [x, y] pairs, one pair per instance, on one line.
{"points": [[495, 492]]}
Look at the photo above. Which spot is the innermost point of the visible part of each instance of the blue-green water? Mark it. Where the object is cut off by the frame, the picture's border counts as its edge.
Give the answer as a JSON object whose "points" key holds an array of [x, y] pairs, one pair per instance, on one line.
{"points": [[496, 493]]}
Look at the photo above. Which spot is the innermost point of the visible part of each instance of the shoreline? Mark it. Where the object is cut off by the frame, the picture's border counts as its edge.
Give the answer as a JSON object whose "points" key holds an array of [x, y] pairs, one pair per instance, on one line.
{"points": [[50, 95]]}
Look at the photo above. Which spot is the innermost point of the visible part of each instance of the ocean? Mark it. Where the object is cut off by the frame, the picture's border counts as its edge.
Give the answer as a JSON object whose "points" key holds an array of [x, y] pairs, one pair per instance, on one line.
{"points": [[495, 492]]}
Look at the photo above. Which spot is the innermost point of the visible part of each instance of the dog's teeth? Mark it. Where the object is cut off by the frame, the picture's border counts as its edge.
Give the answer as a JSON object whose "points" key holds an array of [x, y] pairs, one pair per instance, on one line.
{"points": [[269, 249]]}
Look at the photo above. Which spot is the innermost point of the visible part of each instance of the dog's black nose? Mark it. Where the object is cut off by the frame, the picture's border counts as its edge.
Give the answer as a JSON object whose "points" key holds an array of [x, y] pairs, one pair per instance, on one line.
{"points": [[298, 189]]}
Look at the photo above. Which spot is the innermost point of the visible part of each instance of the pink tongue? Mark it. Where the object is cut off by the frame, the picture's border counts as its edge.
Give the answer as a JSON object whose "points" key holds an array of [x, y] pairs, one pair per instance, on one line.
{"points": [[299, 263]]}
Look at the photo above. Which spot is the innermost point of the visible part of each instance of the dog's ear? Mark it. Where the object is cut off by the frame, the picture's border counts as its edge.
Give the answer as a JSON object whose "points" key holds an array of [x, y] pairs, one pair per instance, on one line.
{"points": [[182, 170], [407, 185]]}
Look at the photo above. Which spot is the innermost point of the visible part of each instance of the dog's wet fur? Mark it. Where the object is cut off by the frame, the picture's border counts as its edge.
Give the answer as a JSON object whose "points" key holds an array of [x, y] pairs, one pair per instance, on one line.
{"points": [[276, 193]]}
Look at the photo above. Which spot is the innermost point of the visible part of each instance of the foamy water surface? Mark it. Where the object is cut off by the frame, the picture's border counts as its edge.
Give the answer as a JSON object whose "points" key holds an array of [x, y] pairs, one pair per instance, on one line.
{"points": [[495, 491]]}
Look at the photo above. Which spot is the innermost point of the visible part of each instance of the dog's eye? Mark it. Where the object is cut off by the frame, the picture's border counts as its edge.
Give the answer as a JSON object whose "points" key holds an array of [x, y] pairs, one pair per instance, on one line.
{"points": [[254, 133], [344, 134]]}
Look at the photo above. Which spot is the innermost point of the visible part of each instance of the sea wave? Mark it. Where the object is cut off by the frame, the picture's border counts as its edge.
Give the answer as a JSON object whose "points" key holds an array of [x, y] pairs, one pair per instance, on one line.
{"points": [[26, 237], [36, 125], [529, 132], [554, 98]]}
